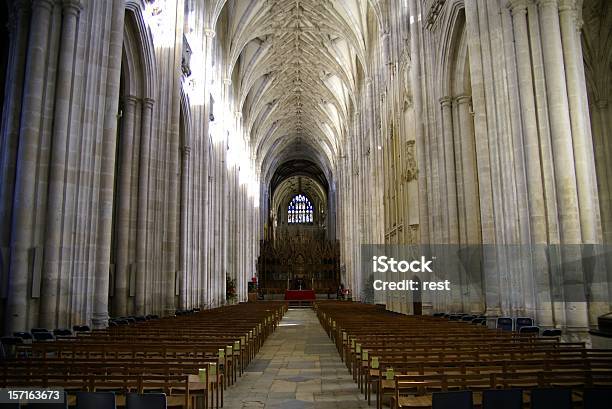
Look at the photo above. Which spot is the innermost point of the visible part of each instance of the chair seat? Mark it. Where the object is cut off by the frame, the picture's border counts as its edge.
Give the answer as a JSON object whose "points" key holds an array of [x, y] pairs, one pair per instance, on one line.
{"points": [[477, 399], [175, 401], [387, 384], [420, 401]]}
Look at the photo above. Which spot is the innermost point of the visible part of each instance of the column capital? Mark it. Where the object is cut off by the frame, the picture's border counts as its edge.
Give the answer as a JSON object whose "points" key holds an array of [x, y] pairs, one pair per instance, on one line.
{"points": [[186, 150], [567, 5], [238, 114], [548, 3], [19, 7], [227, 81], [209, 32], [47, 4], [148, 102], [73, 7], [463, 99], [17, 10], [517, 7], [130, 99], [445, 101]]}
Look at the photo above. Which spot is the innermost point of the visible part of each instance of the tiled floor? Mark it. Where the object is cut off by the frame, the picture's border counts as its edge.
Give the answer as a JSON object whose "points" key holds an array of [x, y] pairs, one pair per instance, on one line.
{"points": [[298, 367]]}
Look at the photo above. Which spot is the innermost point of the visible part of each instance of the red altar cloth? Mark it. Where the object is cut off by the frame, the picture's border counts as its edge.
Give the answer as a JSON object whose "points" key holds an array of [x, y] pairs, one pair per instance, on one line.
{"points": [[299, 295]]}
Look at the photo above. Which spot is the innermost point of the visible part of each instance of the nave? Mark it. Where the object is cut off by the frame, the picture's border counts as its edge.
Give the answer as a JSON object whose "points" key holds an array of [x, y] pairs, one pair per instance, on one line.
{"points": [[298, 367], [187, 361], [337, 355], [441, 363]]}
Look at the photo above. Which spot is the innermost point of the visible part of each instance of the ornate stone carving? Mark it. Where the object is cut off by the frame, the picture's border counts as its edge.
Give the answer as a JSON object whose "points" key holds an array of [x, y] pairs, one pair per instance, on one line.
{"points": [[433, 12], [412, 234], [186, 58], [411, 169], [303, 254]]}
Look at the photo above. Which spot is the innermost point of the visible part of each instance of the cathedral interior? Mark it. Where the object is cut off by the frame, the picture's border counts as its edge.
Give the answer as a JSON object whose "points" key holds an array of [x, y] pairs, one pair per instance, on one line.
{"points": [[155, 153]]}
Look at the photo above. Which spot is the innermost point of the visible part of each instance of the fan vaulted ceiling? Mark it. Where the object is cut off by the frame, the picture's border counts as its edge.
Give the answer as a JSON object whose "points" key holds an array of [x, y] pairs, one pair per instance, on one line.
{"points": [[296, 66]]}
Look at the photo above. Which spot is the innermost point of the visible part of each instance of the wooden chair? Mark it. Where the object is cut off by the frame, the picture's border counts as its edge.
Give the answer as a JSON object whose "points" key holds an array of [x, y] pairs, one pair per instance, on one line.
{"points": [[95, 400]]}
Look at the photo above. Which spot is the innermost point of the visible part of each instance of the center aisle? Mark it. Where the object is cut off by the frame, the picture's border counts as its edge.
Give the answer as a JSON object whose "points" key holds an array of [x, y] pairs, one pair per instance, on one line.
{"points": [[297, 367]]}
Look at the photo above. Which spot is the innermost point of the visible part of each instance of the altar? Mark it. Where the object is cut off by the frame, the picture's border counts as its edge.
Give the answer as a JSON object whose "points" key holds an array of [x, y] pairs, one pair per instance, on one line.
{"points": [[299, 261], [300, 295]]}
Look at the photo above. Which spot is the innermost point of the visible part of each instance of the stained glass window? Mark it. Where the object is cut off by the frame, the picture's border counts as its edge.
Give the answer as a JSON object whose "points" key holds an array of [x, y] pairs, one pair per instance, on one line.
{"points": [[300, 210]]}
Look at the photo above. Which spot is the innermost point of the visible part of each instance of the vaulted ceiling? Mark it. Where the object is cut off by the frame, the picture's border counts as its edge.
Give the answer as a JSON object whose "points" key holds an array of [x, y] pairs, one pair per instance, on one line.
{"points": [[296, 68], [597, 47]]}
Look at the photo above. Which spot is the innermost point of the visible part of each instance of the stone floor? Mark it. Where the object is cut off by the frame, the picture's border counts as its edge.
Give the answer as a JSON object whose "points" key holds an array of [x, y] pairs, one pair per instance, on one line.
{"points": [[298, 367]]}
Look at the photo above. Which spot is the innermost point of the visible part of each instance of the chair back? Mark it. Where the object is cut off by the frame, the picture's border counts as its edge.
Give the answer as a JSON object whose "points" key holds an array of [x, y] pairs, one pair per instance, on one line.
{"points": [[523, 322], [43, 336], [529, 330], [452, 400], [9, 346], [504, 323], [502, 399], [62, 332], [547, 398], [597, 398], [23, 335], [35, 330], [146, 401], [95, 400]]}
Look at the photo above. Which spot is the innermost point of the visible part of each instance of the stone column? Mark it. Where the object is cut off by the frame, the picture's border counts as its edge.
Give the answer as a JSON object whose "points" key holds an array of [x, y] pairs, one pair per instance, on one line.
{"points": [[560, 122], [184, 254], [470, 173], [50, 288], [143, 189], [529, 122], [123, 209], [107, 168], [491, 287], [449, 159], [564, 165], [537, 213], [582, 141], [19, 23], [27, 158], [417, 99], [449, 200], [471, 197], [367, 167]]}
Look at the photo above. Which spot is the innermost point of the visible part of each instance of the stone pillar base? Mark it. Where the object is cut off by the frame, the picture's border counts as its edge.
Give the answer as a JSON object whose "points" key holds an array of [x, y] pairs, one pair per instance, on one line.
{"points": [[99, 322]]}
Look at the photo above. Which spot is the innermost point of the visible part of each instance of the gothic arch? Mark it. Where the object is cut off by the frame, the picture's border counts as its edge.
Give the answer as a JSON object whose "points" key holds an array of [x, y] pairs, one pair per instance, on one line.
{"points": [[138, 65], [455, 46], [136, 98]]}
